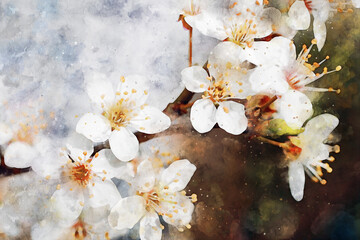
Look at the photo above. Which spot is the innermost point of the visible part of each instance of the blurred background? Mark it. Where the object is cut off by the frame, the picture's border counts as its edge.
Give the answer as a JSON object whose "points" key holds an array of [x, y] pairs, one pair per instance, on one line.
{"points": [[241, 183]]}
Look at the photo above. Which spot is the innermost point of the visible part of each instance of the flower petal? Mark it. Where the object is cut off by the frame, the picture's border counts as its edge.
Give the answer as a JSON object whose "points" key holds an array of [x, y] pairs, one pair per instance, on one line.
{"points": [[145, 177], [150, 120], [78, 144], [134, 88], [102, 193], [67, 202], [319, 128], [269, 80], [195, 79], [150, 228], [178, 214], [99, 89], [294, 107], [231, 117], [127, 212], [279, 52], [319, 33], [106, 162], [296, 180], [19, 155], [299, 16], [202, 115], [124, 144], [356, 3], [209, 24], [94, 127], [223, 56], [49, 159], [177, 175], [6, 133]]}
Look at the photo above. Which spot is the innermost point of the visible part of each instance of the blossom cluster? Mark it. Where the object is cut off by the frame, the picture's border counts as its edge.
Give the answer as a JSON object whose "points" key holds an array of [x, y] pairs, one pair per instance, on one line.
{"points": [[253, 82]]}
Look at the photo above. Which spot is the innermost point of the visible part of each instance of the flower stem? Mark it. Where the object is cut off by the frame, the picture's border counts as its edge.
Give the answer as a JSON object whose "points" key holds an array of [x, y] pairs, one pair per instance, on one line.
{"points": [[268, 103], [272, 142]]}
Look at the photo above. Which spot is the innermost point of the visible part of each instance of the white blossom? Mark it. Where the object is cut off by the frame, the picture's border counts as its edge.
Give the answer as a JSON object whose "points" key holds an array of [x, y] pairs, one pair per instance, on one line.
{"points": [[313, 153], [241, 23], [85, 179], [120, 111], [228, 80], [299, 15], [281, 73], [156, 194]]}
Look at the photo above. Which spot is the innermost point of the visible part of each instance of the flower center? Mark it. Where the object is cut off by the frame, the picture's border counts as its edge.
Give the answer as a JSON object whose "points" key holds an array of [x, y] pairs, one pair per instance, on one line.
{"points": [[242, 34], [80, 232], [81, 173], [301, 72], [117, 114], [152, 200], [218, 92]]}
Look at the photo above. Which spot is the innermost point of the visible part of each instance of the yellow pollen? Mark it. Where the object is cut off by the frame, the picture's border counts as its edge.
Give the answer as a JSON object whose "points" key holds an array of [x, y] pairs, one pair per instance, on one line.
{"points": [[194, 197], [336, 148], [81, 173]]}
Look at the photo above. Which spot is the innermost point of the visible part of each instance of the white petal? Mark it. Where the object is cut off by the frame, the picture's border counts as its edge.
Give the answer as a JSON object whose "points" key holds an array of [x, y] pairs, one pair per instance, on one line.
{"points": [[208, 24], [106, 161], [296, 180], [320, 127], [150, 120], [78, 144], [223, 55], [238, 82], [180, 213], [124, 144], [284, 30], [299, 16], [231, 117], [6, 133], [202, 115], [49, 159], [356, 3], [145, 177], [313, 150], [99, 89], [269, 80], [95, 127], [195, 79], [177, 175], [319, 33], [266, 21], [103, 193], [279, 52], [150, 228], [19, 155], [294, 107], [135, 88], [127, 212], [67, 202], [272, 18]]}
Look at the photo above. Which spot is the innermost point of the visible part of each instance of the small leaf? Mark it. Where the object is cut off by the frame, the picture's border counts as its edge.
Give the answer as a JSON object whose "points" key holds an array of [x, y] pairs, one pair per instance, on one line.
{"points": [[278, 127]]}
